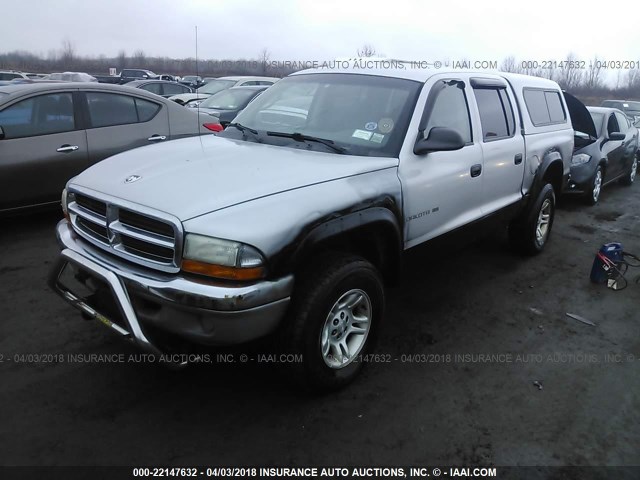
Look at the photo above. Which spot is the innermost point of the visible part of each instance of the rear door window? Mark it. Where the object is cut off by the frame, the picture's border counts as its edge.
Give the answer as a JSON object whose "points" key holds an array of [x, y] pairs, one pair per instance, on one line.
{"points": [[108, 109], [494, 113]]}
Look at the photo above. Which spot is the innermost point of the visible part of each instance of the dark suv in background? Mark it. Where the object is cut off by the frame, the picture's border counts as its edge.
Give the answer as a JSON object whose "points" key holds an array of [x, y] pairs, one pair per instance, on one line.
{"points": [[130, 74], [629, 107]]}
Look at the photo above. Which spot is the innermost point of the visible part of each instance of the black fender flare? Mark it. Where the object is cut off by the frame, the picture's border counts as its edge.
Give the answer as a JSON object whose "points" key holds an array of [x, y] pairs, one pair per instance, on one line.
{"points": [[333, 228], [551, 158]]}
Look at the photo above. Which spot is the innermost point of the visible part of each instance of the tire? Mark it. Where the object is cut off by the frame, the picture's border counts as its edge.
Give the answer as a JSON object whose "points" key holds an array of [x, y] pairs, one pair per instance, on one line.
{"points": [[595, 187], [524, 234], [630, 176], [315, 320]]}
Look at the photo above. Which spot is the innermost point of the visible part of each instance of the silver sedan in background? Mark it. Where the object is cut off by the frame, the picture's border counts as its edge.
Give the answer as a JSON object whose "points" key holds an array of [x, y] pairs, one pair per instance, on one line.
{"points": [[50, 132]]}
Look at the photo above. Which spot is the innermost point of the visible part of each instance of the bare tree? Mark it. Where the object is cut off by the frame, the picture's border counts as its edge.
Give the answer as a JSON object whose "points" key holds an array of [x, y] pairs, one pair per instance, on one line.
{"points": [[569, 76], [265, 55], [593, 75], [122, 59], [140, 58], [510, 64], [367, 50], [633, 79], [68, 54], [619, 79]]}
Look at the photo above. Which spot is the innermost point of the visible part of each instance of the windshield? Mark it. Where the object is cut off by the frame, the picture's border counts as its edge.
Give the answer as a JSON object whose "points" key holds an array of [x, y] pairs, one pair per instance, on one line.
{"points": [[363, 114], [597, 120], [215, 86], [229, 99]]}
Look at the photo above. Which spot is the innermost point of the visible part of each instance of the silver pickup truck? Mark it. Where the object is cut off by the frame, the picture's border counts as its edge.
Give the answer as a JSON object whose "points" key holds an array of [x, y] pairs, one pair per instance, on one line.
{"points": [[293, 219]]}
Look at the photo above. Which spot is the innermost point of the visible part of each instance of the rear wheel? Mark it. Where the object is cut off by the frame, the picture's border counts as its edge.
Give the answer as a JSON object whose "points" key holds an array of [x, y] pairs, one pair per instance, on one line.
{"points": [[335, 314], [530, 233], [630, 177], [595, 187]]}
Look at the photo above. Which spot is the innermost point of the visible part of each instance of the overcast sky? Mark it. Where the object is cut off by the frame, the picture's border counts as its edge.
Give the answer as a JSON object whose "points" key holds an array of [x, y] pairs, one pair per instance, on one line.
{"points": [[323, 29]]}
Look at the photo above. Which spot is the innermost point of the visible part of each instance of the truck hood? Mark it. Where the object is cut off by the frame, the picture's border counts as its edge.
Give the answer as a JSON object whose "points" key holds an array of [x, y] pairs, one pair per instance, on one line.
{"points": [[198, 175]]}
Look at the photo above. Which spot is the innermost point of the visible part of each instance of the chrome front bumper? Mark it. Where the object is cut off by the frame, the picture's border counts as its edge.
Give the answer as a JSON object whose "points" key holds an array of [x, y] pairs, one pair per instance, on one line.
{"points": [[193, 309]]}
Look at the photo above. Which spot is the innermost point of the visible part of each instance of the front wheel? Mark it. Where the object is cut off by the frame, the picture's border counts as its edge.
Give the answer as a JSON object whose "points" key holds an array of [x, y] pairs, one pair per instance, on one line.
{"points": [[530, 233], [630, 177], [333, 320], [593, 195]]}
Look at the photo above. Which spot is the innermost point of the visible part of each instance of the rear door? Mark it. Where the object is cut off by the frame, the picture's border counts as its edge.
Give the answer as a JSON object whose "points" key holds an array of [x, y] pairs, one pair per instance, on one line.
{"points": [[117, 122], [502, 145], [43, 147]]}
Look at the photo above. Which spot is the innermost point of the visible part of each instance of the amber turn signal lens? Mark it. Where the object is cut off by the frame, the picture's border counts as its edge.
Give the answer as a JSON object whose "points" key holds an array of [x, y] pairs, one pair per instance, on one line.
{"points": [[220, 271]]}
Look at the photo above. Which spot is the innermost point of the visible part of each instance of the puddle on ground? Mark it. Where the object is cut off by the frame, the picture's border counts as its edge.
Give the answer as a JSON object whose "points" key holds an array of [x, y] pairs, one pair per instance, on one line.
{"points": [[607, 216], [585, 228]]}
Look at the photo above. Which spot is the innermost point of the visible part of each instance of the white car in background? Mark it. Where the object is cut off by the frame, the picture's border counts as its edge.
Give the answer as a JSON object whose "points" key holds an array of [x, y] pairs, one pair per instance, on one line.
{"points": [[71, 77], [219, 84]]}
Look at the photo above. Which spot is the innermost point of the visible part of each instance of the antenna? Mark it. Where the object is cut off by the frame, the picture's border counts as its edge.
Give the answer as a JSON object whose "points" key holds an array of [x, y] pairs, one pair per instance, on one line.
{"points": [[197, 97]]}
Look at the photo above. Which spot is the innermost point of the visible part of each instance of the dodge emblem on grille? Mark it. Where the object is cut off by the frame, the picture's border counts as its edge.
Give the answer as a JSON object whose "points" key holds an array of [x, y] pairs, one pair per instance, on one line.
{"points": [[132, 178]]}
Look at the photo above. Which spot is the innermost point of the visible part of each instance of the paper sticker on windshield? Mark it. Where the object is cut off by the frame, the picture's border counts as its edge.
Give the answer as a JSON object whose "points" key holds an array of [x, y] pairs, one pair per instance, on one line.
{"points": [[377, 137], [363, 134], [371, 126], [385, 125]]}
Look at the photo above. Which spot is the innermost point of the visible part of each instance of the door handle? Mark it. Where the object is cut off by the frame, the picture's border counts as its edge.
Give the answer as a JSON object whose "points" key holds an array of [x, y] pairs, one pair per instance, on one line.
{"points": [[157, 138], [476, 170], [517, 159], [67, 148]]}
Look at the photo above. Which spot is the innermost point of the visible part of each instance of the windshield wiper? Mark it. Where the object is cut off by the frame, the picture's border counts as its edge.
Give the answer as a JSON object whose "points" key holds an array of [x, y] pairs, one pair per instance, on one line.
{"points": [[301, 137], [243, 129]]}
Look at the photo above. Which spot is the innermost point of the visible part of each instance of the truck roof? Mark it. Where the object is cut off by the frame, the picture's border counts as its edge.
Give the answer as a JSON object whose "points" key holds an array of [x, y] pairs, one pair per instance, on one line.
{"points": [[422, 75]]}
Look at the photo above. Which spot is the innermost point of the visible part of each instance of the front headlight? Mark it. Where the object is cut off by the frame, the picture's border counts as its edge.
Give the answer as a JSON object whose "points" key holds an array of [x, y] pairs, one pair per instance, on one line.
{"points": [[580, 159], [220, 258]]}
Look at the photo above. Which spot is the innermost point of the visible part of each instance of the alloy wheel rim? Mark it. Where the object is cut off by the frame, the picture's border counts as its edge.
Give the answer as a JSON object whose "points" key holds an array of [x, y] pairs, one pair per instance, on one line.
{"points": [[544, 221], [346, 329], [597, 185]]}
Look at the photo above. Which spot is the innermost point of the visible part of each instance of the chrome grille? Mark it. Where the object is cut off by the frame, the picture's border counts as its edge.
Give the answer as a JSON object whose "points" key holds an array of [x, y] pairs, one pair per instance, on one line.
{"points": [[136, 233]]}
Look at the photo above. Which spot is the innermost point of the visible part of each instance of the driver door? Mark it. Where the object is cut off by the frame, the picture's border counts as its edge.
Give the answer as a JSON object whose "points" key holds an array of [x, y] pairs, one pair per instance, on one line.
{"points": [[442, 190]]}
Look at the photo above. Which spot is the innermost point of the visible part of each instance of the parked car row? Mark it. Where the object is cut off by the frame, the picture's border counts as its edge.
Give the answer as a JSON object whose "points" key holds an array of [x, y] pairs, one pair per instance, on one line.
{"points": [[50, 132], [218, 84]]}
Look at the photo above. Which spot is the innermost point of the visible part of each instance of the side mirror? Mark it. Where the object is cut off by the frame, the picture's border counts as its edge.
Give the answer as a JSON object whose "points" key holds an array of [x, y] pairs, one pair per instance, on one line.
{"points": [[1, 134], [616, 136], [440, 139]]}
